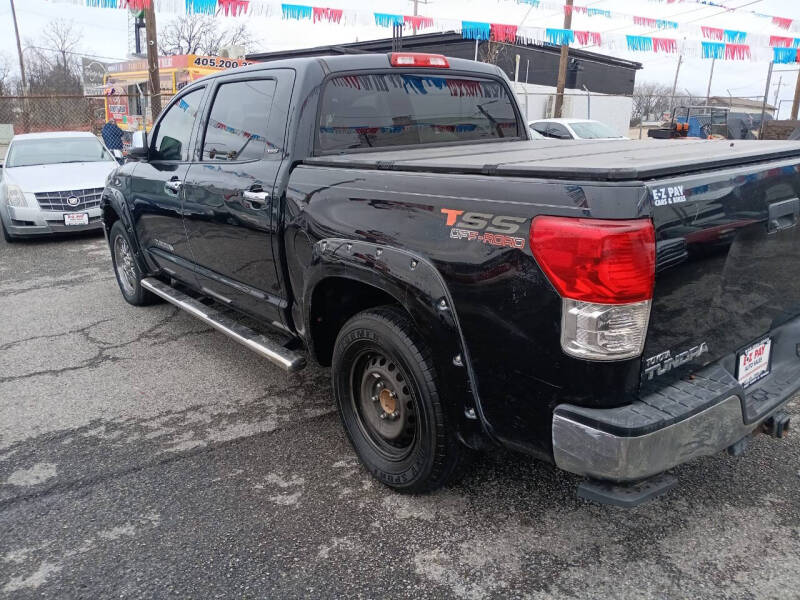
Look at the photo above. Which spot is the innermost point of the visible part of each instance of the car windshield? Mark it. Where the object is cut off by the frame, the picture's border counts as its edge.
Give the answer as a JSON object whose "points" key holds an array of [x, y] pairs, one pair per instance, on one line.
{"points": [[592, 130], [55, 150]]}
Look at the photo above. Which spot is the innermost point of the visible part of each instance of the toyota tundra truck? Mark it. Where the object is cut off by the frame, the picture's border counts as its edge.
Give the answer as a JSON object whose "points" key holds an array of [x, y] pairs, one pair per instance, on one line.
{"points": [[616, 308]]}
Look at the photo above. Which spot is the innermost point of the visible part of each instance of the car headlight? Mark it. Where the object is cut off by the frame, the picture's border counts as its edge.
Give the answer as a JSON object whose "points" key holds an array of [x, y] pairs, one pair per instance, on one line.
{"points": [[15, 196]]}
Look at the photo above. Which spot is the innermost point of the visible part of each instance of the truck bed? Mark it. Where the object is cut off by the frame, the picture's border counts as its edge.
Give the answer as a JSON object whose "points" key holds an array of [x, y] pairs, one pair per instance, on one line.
{"points": [[601, 160]]}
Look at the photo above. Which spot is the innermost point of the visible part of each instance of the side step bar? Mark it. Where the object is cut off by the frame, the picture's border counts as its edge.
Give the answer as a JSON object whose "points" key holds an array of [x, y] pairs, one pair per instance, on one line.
{"points": [[275, 353]]}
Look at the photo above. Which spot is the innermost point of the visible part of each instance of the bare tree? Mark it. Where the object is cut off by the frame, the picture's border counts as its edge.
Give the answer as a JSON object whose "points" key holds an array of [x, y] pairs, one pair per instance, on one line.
{"points": [[6, 77], [650, 101], [201, 34], [52, 64]]}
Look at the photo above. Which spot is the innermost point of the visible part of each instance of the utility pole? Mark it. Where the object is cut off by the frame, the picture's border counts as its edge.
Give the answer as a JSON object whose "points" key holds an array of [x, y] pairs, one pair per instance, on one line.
{"points": [[416, 12], [152, 60], [710, 77], [562, 63], [778, 91], [796, 101], [675, 82], [25, 108], [19, 51], [764, 103]]}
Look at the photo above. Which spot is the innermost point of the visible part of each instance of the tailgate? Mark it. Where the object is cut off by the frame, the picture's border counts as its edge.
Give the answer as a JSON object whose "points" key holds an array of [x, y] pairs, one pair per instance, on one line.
{"points": [[727, 271]]}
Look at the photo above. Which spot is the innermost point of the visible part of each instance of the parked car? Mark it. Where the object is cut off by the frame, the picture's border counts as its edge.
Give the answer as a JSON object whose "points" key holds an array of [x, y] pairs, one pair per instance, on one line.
{"points": [[388, 216], [575, 129], [52, 182]]}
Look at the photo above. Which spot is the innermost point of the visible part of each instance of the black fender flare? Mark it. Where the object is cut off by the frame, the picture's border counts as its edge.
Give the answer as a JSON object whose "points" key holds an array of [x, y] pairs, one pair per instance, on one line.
{"points": [[113, 199], [419, 288]]}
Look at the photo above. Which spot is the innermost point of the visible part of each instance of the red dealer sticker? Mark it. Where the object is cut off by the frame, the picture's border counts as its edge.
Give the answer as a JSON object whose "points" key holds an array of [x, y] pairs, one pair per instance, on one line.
{"points": [[753, 363]]}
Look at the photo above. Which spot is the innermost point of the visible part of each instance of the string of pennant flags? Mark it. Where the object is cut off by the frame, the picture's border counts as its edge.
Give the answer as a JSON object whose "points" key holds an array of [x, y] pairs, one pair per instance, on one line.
{"points": [[699, 41]]}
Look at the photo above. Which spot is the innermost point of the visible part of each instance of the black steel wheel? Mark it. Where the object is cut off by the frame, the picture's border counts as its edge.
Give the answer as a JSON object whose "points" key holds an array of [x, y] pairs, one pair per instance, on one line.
{"points": [[388, 399]]}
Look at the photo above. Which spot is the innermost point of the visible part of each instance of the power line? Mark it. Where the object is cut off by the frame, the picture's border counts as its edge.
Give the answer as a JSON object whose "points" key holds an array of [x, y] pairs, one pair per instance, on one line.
{"points": [[76, 53]]}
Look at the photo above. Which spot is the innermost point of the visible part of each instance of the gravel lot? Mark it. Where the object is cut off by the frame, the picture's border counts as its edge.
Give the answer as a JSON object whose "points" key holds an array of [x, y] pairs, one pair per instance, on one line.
{"points": [[143, 455]]}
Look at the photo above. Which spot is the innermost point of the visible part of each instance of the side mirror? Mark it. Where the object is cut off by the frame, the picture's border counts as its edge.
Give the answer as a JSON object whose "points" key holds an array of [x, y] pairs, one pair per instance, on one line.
{"points": [[139, 149]]}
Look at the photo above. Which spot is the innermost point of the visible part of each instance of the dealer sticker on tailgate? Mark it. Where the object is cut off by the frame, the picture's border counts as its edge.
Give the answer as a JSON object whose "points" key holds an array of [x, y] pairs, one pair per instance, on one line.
{"points": [[753, 363]]}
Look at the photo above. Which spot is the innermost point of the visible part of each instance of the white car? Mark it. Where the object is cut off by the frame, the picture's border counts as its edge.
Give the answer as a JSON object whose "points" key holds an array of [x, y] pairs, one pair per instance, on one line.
{"points": [[574, 129], [52, 183]]}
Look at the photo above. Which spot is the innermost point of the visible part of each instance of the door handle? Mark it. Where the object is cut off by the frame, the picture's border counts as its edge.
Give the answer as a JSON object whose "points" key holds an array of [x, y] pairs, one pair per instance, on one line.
{"points": [[173, 185], [255, 199], [783, 215]]}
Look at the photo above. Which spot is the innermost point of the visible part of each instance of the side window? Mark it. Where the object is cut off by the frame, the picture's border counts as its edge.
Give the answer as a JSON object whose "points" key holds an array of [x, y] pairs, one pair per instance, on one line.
{"points": [[557, 130], [541, 128], [175, 128], [237, 125]]}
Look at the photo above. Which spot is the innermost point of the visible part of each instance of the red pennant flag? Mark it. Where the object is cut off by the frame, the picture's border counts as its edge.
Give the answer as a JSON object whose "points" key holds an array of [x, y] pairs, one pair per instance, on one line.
{"points": [[712, 33], [737, 51], [418, 22], [585, 38], [645, 22], [782, 22], [667, 45], [777, 41], [331, 15], [503, 33]]}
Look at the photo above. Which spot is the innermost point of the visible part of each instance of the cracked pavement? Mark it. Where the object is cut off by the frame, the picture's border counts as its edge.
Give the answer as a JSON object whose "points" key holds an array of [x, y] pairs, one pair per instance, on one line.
{"points": [[143, 455]]}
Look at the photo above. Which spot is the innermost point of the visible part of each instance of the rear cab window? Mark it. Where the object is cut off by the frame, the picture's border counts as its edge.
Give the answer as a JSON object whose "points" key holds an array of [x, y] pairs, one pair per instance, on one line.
{"points": [[379, 110]]}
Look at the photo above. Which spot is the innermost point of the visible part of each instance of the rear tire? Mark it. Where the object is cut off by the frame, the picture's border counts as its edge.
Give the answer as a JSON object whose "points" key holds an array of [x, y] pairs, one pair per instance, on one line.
{"points": [[126, 268], [386, 391]]}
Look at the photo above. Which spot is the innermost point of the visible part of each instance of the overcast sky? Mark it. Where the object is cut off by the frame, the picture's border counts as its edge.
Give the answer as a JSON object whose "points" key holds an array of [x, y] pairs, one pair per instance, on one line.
{"points": [[105, 33]]}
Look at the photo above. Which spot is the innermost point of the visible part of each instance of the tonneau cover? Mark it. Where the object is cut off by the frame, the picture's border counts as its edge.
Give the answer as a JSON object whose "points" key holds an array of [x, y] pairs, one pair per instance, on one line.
{"points": [[596, 160]]}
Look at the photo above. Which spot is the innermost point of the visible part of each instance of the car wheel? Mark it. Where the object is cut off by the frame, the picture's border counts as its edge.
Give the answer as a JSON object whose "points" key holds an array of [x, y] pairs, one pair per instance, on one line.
{"points": [[386, 392], [7, 236], [126, 269]]}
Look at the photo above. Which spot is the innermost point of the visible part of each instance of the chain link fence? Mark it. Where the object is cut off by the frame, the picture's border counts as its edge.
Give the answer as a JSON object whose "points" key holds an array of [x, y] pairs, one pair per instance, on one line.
{"points": [[34, 114]]}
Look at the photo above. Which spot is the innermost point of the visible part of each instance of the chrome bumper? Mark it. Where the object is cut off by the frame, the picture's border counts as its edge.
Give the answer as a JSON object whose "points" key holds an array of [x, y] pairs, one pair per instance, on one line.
{"points": [[584, 450]]}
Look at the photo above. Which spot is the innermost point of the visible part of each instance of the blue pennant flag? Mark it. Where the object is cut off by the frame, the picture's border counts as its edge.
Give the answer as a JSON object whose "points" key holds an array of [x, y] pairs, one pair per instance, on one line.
{"points": [[206, 7], [639, 43], [713, 50], [735, 37], [296, 11], [387, 20], [475, 30], [560, 37], [785, 55], [534, 3], [598, 12]]}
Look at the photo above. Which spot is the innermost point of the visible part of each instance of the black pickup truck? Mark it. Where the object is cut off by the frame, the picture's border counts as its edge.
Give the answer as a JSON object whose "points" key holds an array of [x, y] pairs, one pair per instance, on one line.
{"points": [[614, 307]]}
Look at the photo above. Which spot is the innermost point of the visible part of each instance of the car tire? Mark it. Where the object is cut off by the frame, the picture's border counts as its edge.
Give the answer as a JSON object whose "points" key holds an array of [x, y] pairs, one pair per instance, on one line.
{"points": [[10, 239], [388, 399], [126, 268]]}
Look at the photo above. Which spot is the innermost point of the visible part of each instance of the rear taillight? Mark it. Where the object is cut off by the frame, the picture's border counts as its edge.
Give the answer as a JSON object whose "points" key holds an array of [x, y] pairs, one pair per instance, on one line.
{"points": [[604, 271], [417, 59]]}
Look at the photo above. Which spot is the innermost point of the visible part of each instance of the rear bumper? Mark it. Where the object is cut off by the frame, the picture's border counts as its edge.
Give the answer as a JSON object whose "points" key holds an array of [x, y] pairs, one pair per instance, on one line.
{"points": [[690, 418]]}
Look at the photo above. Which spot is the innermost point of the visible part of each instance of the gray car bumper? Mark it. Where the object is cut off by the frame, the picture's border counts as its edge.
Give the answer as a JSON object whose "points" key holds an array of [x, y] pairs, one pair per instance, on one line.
{"points": [[32, 221], [689, 418]]}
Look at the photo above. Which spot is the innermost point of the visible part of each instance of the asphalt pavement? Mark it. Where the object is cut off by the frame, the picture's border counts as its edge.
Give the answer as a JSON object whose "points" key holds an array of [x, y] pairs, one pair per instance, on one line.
{"points": [[144, 455]]}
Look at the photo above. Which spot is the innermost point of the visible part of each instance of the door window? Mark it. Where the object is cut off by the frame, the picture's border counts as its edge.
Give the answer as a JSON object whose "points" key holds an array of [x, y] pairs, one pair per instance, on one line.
{"points": [[175, 128], [237, 125]]}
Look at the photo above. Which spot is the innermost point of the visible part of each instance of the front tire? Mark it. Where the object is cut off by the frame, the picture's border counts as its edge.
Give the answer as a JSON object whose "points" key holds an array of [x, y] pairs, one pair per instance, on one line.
{"points": [[388, 399], [10, 239], [126, 268]]}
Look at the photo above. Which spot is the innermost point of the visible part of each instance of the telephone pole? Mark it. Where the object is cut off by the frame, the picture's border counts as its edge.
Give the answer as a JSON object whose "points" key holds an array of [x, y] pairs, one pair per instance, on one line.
{"points": [[416, 12], [796, 101], [675, 82], [152, 60], [19, 51], [562, 63], [710, 77]]}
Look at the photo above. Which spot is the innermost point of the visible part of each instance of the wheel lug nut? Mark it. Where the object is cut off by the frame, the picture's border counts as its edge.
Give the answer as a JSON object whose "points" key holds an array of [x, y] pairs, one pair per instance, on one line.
{"points": [[374, 398], [383, 415]]}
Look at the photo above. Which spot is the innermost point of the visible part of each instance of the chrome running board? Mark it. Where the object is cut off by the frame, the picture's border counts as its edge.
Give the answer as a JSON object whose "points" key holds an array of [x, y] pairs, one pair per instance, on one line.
{"points": [[260, 344]]}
